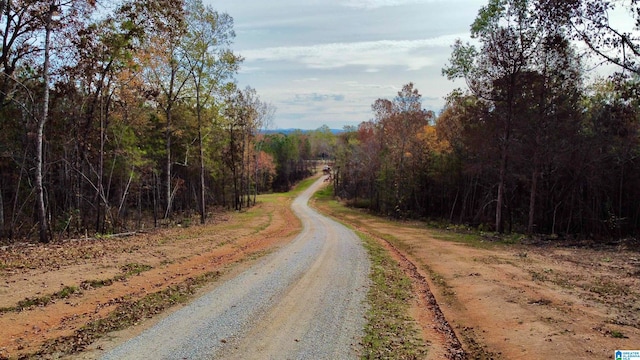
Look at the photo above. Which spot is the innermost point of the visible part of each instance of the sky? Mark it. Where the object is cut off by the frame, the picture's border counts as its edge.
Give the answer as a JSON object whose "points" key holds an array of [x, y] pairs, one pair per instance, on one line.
{"points": [[325, 62]]}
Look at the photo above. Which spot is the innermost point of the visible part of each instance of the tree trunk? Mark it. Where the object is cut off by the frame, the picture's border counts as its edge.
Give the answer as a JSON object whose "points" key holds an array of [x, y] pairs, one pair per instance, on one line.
{"points": [[156, 194], [500, 199], [532, 201], [168, 164], [1, 215], [201, 149], [41, 210], [234, 170], [100, 189], [532, 198], [255, 192]]}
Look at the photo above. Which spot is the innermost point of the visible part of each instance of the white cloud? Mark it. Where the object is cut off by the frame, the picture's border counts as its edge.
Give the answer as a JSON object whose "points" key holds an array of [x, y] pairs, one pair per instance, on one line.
{"points": [[248, 69], [327, 61], [306, 80], [374, 4], [411, 54]]}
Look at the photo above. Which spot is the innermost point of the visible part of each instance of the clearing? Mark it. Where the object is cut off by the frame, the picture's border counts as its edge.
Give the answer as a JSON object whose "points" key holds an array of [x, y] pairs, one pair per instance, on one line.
{"points": [[549, 300], [502, 301]]}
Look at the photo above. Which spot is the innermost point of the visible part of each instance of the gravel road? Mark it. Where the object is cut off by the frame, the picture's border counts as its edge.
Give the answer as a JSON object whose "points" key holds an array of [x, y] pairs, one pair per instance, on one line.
{"points": [[305, 301]]}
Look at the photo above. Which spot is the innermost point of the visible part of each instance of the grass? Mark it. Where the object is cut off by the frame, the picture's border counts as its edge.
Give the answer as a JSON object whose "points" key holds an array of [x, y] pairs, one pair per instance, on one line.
{"points": [[128, 270], [45, 300], [390, 332], [128, 313], [252, 213], [452, 233], [301, 186], [131, 312], [618, 335], [132, 269], [474, 238]]}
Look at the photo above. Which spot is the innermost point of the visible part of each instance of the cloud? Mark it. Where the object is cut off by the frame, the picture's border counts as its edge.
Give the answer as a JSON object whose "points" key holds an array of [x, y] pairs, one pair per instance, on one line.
{"points": [[377, 4], [248, 69], [374, 4], [317, 97], [359, 85], [306, 80], [410, 54]]}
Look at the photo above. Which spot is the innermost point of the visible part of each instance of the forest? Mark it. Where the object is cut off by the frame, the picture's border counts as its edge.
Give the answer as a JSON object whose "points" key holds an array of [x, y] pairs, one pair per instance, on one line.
{"points": [[125, 115], [119, 115], [531, 145]]}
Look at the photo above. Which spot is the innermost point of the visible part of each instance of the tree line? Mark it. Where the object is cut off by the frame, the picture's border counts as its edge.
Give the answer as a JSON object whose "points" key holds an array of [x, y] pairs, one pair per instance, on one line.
{"points": [[119, 115], [122, 115], [530, 145]]}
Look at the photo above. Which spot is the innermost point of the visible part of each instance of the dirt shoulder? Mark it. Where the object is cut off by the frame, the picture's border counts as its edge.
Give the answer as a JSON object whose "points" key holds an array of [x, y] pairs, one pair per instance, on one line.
{"points": [[499, 301], [48, 292], [515, 301]]}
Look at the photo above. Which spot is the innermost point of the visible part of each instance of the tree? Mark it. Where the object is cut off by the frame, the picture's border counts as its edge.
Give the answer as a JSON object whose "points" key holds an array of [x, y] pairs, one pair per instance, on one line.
{"points": [[211, 64], [21, 22], [241, 114], [510, 36], [590, 22], [104, 51], [50, 13], [93, 104], [167, 73], [291, 153], [322, 142], [400, 141], [383, 161]]}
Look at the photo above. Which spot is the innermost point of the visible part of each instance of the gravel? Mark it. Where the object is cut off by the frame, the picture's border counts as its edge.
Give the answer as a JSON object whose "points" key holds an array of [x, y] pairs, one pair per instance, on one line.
{"points": [[305, 301]]}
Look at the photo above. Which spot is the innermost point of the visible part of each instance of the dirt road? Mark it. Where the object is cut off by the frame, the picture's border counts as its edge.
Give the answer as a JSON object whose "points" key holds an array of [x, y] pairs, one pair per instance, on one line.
{"points": [[536, 301], [305, 301]]}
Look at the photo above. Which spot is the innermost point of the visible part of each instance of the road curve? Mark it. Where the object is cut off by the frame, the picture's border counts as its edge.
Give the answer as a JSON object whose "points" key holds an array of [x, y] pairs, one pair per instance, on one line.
{"points": [[305, 301]]}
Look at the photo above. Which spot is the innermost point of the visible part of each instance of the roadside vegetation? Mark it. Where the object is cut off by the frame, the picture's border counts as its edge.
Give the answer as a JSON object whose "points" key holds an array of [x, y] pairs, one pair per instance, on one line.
{"points": [[390, 332]]}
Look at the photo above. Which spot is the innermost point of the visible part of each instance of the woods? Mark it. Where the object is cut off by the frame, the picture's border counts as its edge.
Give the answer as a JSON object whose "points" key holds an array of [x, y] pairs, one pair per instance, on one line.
{"points": [[530, 146], [123, 117], [116, 118]]}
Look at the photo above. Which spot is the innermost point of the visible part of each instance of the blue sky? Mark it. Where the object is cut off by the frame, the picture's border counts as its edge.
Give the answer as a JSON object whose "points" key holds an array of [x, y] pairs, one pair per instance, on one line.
{"points": [[325, 62]]}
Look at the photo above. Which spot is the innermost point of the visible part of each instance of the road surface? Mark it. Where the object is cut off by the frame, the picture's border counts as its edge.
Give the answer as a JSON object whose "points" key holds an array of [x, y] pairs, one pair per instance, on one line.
{"points": [[305, 301]]}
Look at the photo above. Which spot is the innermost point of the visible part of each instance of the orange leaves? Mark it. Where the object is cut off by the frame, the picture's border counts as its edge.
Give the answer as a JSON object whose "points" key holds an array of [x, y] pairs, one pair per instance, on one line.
{"points": [[429, 138]]}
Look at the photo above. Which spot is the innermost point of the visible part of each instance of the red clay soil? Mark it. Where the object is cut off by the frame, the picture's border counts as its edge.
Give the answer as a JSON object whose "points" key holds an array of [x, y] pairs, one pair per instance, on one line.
{"points": [[171, 255], [486, 301], [542, 301]]}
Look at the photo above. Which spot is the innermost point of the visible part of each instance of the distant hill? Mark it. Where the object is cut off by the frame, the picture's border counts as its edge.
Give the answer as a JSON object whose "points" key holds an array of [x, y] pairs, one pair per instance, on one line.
{"points": [[289, 131]]}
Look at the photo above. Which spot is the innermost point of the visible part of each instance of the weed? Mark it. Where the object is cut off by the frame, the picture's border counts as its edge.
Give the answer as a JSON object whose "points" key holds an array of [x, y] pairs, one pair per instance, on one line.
{"points": [[128, 313], [618, 335], [536, 276], [134, 269], [66, 292], [389, 328], [45, 300], [95, 284]]}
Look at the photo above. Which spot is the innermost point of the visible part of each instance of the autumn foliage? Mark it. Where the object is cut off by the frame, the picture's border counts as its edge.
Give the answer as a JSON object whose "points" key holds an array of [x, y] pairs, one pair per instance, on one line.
{"points": [[529, 146], [124, 117]]}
